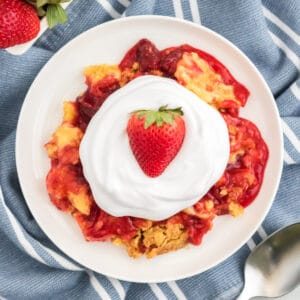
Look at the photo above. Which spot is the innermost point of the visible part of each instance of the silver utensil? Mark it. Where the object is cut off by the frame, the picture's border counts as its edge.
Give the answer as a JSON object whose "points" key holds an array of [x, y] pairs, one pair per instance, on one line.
{"points": [[273, 267]]}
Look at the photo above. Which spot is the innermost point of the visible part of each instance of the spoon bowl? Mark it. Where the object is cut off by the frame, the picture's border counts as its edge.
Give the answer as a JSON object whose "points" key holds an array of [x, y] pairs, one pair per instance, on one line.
{"points": [[273, 267]]}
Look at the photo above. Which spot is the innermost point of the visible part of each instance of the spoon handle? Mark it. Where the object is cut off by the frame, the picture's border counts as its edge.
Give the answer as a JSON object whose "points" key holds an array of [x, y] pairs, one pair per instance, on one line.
{"points": [[246, 294]]}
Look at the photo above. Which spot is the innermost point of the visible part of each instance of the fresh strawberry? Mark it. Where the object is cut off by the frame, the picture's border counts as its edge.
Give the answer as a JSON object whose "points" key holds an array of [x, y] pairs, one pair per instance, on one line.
{"points": [[19, 23], [155, 137]]}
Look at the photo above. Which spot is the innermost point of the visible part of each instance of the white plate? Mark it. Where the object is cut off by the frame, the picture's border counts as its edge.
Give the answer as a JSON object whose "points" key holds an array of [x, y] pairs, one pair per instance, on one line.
{"points": [[61, 79]]}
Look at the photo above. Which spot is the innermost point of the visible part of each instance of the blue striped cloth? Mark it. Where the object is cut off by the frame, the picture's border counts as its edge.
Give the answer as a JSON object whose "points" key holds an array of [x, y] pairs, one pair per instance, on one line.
{"points": [[31, 267]]}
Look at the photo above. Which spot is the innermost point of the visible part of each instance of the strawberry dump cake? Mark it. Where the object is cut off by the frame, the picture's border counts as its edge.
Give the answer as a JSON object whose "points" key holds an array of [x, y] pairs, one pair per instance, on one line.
{"points": [[154, 150]]}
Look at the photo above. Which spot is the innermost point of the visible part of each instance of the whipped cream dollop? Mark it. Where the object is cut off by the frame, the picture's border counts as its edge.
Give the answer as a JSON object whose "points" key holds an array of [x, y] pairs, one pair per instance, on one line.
{"points": [[119, 185]]}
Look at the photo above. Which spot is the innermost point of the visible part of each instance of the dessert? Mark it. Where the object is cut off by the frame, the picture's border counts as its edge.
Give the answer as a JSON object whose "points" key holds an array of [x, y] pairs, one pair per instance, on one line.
{"points": [[232, 160]]}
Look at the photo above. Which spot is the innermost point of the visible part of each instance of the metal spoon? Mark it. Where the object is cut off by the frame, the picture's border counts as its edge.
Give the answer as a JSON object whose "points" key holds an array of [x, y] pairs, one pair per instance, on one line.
{"points": [[273, 268]]}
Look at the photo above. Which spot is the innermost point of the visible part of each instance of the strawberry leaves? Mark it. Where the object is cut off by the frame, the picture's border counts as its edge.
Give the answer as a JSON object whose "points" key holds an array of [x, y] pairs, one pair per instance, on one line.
{"points": [[163, 115], [55, 15], [52, 9]]}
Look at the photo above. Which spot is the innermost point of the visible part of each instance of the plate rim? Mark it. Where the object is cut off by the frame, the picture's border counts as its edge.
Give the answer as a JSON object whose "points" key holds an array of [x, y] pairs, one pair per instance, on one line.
{"points": [[150, 18]]}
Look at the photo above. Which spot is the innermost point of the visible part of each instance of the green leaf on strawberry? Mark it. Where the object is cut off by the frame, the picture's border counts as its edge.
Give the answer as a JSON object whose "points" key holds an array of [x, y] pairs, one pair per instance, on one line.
{"points": [[40, 3], [164, 114], [41, 11], [55, 15], [52, 9]]}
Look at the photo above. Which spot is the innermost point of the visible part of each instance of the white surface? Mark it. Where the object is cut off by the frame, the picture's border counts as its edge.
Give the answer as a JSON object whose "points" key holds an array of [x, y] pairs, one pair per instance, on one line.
{"points": [[42, 112], [118, 183], [294, 295]]}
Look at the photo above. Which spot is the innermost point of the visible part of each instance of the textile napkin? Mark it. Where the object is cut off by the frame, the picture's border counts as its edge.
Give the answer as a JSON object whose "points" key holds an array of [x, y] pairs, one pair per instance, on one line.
{"points": [[31, 266]]}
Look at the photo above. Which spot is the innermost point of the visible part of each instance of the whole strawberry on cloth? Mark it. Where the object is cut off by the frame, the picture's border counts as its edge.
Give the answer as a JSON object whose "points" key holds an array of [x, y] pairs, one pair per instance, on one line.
{"points": [[155, 137], [20, 20], [19, 23]]}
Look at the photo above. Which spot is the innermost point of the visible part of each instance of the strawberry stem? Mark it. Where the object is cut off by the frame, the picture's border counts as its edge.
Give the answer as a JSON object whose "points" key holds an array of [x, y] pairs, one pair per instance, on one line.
{"points": [[160, 116]]}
